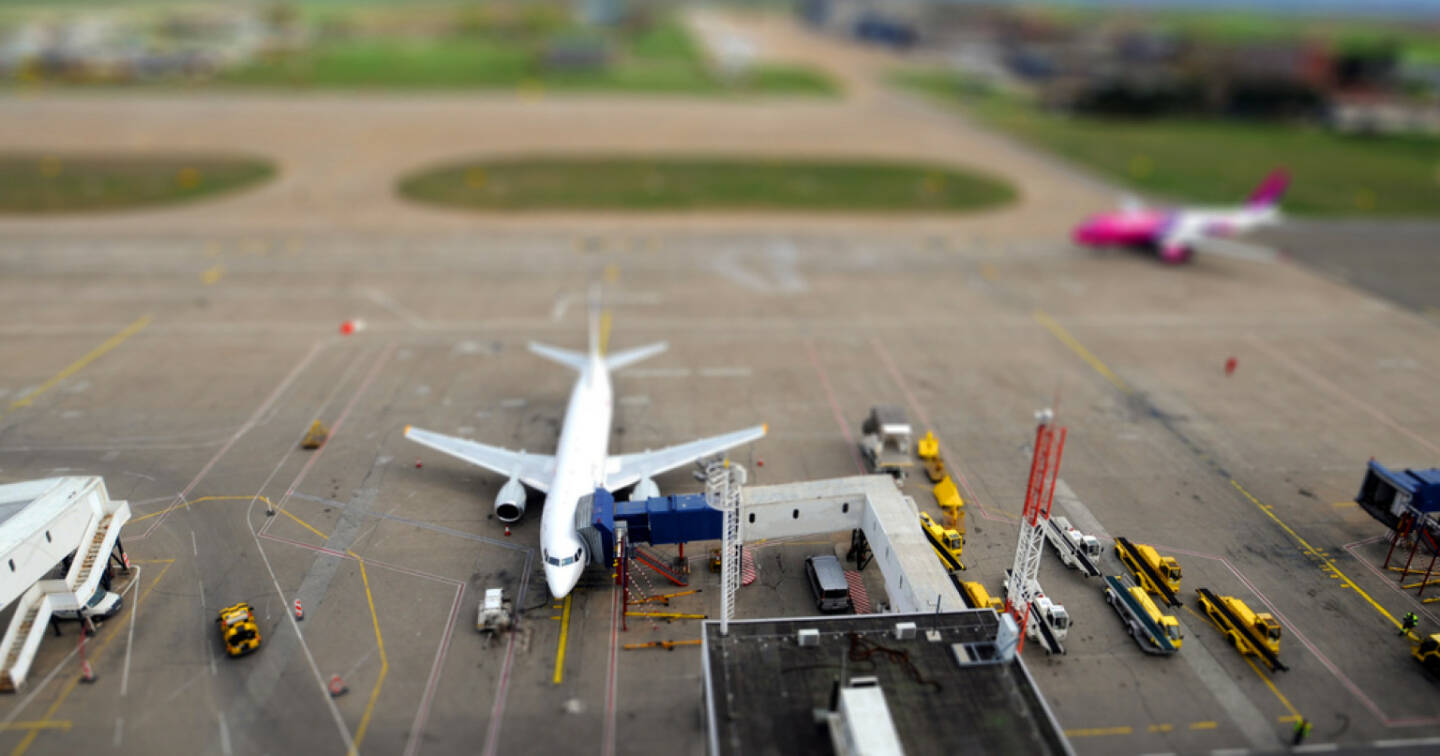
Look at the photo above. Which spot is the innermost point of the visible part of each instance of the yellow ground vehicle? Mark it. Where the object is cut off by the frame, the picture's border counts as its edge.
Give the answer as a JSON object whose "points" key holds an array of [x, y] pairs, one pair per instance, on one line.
{"points": [[1167, 622], [238, 629], [948, 543], [1249, 632], [928, 447], [1157, 574], [976, 597], [1428, 653]]}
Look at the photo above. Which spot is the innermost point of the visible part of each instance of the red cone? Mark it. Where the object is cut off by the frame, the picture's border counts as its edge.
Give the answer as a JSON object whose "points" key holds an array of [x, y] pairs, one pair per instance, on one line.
{"points": [[1230, 366], [299, 613]]}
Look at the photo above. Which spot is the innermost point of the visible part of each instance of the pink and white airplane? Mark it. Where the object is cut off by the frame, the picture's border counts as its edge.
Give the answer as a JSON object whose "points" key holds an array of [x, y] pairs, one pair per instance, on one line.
{"points": [[1173, 233]]}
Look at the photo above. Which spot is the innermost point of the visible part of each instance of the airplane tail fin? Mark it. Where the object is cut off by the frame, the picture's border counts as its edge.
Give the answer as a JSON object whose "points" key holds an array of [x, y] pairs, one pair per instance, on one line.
{"points": [[571, 359], [632, 356], [1270, 190]]}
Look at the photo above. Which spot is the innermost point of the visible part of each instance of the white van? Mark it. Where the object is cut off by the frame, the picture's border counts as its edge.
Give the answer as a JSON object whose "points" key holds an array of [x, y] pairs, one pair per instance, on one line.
{"points": [[102, 605], [827, 582]]}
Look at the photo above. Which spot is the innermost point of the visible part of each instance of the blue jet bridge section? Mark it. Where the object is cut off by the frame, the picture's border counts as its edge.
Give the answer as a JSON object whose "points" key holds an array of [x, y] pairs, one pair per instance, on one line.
{"points": [[662, 519], [1388, 495]]}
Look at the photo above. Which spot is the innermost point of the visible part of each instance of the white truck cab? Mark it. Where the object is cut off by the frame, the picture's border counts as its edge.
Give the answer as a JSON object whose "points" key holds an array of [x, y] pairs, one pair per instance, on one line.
{"points": [[103, 604]]}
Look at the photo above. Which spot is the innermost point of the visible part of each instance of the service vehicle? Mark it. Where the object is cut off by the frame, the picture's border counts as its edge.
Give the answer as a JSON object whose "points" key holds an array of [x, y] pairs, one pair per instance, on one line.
{"points": [[101, 605], [1157, 633], [886, 442], [238, 629], [1428, 653], [496, 612], [948, 543], [1251, 633], [1076, 550], [827, 582], [1049, 613], [976, 597], [1157, 574]]}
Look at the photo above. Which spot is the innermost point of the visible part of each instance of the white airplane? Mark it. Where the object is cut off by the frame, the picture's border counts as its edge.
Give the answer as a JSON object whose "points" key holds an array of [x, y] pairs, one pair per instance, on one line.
{"points": [[582, 462]]}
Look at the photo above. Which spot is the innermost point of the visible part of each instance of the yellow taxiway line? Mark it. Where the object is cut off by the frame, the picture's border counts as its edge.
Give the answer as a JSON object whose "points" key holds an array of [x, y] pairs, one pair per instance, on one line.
{"points": [[384, 662], [564, 634], [78, 365]]}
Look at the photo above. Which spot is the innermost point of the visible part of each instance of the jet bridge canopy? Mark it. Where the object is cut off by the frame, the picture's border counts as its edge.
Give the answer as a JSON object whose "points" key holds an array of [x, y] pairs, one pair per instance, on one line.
{"points": [[914, 579]]}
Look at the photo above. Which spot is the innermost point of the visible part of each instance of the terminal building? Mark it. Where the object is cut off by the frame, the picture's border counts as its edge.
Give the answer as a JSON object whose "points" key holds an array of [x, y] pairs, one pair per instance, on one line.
{"points": [[873, 684], [44, 523]]}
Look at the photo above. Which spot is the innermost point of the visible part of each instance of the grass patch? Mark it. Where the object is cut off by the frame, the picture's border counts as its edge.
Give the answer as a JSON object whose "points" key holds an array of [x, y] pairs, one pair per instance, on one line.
{"points": [[703, 184], [662, 58], [1218, 161], [62, 183]]}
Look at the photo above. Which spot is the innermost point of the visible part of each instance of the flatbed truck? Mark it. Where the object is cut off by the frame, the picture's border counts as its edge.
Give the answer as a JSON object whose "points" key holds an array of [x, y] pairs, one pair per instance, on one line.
{"points": [[1249, 632], [1156, 633], [1157, 574]]}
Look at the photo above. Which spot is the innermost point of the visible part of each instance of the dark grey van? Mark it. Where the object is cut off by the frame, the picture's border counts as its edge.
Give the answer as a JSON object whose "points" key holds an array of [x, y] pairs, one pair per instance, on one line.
{"points": [[827, 581]]}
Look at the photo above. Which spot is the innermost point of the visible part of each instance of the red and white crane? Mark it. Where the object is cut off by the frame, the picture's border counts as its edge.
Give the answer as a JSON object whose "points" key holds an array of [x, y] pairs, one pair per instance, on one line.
{"points": [[1022, 587]]}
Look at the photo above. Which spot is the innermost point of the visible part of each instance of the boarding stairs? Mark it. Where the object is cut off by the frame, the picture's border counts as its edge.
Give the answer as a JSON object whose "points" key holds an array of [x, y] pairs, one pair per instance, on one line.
{"points": [[44, 598]]}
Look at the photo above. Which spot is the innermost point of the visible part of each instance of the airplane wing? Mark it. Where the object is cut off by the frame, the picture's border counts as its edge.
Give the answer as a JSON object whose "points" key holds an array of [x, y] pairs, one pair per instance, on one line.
{"points": [[627, 469], [534, 470]]}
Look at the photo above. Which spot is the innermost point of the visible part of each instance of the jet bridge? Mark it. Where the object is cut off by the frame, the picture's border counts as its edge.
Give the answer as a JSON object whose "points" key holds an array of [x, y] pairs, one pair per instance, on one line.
{"points": [[41, 523], [914, 579]]}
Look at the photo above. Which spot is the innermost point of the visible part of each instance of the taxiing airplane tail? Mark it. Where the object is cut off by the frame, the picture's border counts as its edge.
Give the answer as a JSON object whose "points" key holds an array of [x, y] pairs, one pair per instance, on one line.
{"points": [[1270, 190]]}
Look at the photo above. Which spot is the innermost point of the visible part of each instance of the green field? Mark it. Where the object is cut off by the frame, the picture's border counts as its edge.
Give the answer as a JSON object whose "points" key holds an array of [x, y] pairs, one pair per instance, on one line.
{"points": [[62, 183], [704, 184], [1217, 161], [490, 63]]}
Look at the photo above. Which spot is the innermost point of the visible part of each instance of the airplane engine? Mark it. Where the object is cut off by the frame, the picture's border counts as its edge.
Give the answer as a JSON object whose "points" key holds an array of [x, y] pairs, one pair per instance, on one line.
{"points": [[510, 502], [645, 489]]}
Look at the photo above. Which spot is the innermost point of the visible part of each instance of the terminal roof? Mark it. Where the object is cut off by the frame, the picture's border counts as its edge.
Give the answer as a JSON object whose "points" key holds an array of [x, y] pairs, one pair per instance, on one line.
{"points": [[764, 688]]}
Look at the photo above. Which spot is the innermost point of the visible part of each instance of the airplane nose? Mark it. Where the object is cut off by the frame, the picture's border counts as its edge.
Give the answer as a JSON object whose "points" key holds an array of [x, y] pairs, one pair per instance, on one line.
{"points": [[562, 580]]}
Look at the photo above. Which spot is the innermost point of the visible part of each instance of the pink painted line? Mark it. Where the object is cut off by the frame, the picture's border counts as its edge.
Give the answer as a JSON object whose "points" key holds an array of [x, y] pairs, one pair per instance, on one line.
{"points": [[1333, 388], [1349, 684], [339, 422], [834, 405], [251, 422], [607, 736], [924, 416], [417, 728], [492, 738], [1351, 548]]}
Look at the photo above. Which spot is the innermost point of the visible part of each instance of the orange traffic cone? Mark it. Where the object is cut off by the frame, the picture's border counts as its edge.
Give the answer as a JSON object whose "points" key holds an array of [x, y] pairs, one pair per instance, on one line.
{"points": [[87, 675], [299, 613], [507, 530], [126, 557], [337, 687], [417, 463]]}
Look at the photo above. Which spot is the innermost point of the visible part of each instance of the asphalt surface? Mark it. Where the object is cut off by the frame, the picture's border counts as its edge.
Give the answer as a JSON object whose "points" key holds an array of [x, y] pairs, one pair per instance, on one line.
{"points": [[209, 397], [1398, 260]]}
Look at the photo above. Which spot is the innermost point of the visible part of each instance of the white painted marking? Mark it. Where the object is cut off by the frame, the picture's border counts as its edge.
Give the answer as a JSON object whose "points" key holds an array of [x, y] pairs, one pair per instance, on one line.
{"points": [[119, 732], [409, 316], [1229, 752], [637, 400], [202, 594], [1316, 748], [1407, 743], [658, 373], [195, 548], [512, 403], [725, 372], [130, 635], [224, 734]]}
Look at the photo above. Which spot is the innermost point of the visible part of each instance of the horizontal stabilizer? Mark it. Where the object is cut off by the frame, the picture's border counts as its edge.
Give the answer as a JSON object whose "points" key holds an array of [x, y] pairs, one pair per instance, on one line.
{"points": [[566, 357], [631, 356]]}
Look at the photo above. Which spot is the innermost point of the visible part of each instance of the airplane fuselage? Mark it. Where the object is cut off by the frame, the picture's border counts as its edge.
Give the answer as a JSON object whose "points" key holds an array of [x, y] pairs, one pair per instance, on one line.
{"points": [[579, 469]]}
